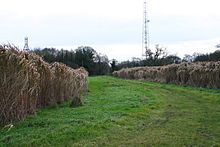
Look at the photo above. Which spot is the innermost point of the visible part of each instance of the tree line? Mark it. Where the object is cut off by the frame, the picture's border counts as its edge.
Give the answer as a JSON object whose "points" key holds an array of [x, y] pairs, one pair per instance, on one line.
{"points": [[98, 64], [84, 56], [160, 57]]}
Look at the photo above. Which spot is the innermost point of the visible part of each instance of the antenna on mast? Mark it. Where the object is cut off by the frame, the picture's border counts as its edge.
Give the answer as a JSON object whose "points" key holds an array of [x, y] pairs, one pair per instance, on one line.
{"points": [[26, 47], [145, 31]]}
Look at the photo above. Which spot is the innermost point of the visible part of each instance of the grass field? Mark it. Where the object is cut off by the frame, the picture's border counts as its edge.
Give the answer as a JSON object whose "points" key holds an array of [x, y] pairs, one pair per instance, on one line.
{"points": [[120, 112]]}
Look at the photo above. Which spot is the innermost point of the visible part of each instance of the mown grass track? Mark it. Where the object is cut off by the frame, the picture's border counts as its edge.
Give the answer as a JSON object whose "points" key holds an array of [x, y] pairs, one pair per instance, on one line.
{"points": [[120, 112]]}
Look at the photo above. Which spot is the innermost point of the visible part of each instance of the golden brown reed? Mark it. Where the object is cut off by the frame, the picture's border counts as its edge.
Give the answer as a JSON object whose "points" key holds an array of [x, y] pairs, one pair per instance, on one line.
{"points": [[199, 74], [27, 83]]}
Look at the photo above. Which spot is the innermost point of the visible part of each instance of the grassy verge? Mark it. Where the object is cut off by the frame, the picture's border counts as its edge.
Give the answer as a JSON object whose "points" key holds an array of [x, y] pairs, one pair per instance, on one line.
{"points": [[121, 112]]}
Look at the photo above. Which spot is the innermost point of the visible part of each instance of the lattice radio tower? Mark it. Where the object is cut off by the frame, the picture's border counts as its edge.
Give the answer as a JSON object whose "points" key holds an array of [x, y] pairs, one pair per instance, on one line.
{"points": [[145, 31], [26, 47]]}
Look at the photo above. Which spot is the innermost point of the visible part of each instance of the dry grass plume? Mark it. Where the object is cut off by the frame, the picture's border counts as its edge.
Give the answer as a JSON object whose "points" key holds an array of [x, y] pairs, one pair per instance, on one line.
{"points": [[27, 83], [200, 74]]}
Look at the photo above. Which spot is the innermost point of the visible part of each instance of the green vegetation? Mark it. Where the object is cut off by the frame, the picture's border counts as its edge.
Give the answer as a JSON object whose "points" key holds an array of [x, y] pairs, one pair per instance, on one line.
{"points": [[120, 112], [84, 56]]}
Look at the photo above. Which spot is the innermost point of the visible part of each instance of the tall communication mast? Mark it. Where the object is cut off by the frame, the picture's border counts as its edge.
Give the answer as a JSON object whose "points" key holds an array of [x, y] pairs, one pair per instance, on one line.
{"points": [[26, 47], [145, 31]]}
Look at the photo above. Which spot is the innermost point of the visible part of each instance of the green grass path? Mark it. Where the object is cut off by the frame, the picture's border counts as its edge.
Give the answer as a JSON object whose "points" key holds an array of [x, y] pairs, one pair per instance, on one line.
{"points": [[120, 112]]}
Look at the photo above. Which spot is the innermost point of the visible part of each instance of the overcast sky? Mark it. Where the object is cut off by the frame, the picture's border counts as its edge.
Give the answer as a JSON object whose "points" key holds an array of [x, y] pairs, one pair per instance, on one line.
{"points": [[112, 27]]}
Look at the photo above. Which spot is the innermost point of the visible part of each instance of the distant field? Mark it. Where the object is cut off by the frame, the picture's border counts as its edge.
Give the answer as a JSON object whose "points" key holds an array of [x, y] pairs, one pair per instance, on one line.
{"points": [[120, 112]]}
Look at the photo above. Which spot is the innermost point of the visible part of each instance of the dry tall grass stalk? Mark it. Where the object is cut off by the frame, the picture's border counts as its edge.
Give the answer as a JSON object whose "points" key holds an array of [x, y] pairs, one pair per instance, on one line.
{"points": [[27, 83], [200, 74]]}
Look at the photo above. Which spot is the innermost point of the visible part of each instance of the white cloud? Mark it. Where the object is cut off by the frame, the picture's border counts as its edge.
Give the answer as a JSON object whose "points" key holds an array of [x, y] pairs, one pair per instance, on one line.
{"points": [[189, 8], [190, 47], [112, 27], [123, 52], [85, 8]]}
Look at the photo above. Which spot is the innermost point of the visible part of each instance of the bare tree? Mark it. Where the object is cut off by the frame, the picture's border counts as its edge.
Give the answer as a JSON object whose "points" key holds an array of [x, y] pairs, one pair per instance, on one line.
{"points": [[160, 52], [188, 58], [149, 54]]}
